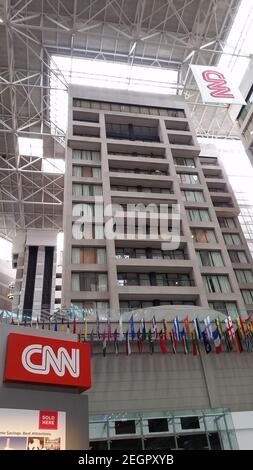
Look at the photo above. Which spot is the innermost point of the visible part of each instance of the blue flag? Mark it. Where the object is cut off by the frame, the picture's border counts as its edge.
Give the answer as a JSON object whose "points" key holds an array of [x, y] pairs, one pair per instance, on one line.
{"points": [[207, 343], [132, 327], [176, 326]]}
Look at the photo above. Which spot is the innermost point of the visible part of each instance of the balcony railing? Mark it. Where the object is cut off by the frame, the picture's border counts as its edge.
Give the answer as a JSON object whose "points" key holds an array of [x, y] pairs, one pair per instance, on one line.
{"points": [[169, 283]]}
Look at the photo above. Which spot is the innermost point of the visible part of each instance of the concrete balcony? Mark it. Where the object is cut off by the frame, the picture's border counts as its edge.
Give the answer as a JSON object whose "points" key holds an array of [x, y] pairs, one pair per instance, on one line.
{"points": [[89, 295], [223, 211], [86, 180], [132, 179], [178, 137], [142, 162], [156, 265], [132, 197], [184, 150], [159, 292], [178, 124], [89, 267], [86, 129]]}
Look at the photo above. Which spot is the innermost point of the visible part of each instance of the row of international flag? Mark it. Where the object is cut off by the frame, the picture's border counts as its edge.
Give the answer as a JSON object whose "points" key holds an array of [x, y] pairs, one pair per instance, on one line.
{"points": [[172, 336]]}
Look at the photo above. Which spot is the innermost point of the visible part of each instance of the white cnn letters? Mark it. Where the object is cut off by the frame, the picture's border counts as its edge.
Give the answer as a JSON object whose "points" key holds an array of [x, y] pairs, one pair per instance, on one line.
{"points": [[48, 359]]}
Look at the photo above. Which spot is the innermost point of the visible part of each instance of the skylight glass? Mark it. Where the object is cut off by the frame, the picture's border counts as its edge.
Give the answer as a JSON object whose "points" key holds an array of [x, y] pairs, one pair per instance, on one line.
{"points": [[30, 147], [103, 74], [53, 165], [239, 42]]}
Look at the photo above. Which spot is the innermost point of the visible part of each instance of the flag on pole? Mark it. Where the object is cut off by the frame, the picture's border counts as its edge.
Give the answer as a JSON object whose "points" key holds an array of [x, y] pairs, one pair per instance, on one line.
{"points": [[207, 343], [104, 343], [228, 343], [184, 341], [139, 340], [150, 340], [197, 328], [219, 327], [195, 350], [97, 321], [240, 326], [143, 331], [164, 328], [209, 332], [62, 325], [132, 327], [238, 342], [173, 341], [154, 327], [163, 346], [167, 336], [74, 326], [230, 327], [217, 341], [249, 325], [121, 334], [116, 344], [187, 327], [109, 328], [128, 345], [249, 341], [176, 327], [55, 326], [86, 329]]}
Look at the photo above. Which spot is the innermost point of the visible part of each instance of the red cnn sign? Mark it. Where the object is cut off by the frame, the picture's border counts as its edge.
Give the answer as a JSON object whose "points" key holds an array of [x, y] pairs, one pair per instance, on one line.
{"points": [[48, 420], [217, 84], [47, 361]]}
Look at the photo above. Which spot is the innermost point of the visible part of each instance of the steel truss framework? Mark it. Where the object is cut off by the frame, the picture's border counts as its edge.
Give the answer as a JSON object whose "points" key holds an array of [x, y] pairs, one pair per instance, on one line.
{"points": [[155, 33]]}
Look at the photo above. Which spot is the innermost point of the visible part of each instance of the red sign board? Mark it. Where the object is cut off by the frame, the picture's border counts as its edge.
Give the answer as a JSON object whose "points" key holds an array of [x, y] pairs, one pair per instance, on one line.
{"points": [[48, 420], [40, 360]]}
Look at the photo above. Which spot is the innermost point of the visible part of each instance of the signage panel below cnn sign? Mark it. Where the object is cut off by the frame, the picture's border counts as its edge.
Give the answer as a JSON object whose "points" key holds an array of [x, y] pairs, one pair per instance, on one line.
{"points": [[216, 86], [47, 361]]}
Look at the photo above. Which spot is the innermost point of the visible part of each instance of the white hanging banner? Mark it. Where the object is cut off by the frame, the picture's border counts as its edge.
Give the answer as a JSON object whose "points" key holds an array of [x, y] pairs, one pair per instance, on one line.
{"points": [[216, 86]]}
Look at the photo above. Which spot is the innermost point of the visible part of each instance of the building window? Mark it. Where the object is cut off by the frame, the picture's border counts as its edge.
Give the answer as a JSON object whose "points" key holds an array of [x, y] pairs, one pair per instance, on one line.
{"points": [[89, 281], [232, 239], [210, 258], [92, 307], [184, 162], [193, 196], [198, 215], [217, 284], [247, 296], [158, 425], [227, 308], [204, 235], [188, 178], [88, 255], [244, 276], [153, 279], [125, 427], [226, 222], [190, 422], [86, 155], [86, 171], [79, 189], [238, 256]]}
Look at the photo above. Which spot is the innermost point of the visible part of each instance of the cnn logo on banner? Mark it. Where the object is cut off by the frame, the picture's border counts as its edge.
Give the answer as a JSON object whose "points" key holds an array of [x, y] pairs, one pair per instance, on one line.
{"points": [[47, 361]]}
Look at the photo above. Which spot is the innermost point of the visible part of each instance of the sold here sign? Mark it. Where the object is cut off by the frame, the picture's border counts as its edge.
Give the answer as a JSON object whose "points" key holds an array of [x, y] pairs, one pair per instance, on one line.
{"points": [[216, 86], [40, 360]]}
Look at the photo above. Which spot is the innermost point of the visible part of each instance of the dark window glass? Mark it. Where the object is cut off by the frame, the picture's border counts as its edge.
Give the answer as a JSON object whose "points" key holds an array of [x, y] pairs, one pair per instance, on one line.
{"points": [[162, 443], [125, 427], [98, 445], [121, 444], [192, 442], [215, 441], [190, 422], [158, 425]]}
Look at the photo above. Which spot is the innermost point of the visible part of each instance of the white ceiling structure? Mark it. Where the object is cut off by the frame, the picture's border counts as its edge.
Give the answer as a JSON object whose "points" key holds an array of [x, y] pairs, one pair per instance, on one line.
{"points": [[168, 34]]}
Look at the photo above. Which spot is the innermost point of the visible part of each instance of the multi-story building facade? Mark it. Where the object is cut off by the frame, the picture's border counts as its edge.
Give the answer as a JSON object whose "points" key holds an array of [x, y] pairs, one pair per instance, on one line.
{"points": [[136, 148], [34, 258]]}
